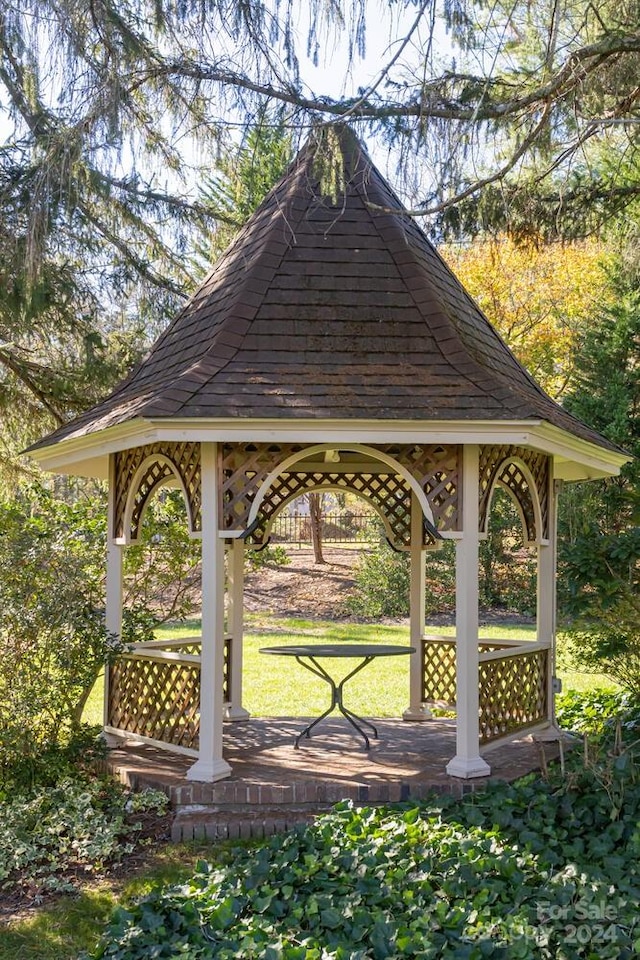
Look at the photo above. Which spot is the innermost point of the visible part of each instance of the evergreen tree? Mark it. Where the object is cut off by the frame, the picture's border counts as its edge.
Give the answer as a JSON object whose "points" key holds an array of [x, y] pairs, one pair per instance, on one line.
{"points": [[600, 542], [114, 108]]}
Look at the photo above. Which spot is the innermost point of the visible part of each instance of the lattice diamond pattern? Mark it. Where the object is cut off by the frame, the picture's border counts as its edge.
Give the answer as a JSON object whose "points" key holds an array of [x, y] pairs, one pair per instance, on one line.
{"points": [[497, 463], [156, 698], [160, 699], [439, 671], [389, 493], [513, 693], [245, 467], [185, 458], [437, 469], [439, 668]]}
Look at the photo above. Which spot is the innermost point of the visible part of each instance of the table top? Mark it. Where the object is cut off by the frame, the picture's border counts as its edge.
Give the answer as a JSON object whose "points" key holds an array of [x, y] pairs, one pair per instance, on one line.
{"points": [[339, 650]]}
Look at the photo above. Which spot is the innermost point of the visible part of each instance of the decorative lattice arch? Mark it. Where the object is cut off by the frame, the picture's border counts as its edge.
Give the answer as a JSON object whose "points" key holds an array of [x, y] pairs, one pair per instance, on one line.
{"points": [[140, 471], [525, 474], [390, 495], [245, 468]]}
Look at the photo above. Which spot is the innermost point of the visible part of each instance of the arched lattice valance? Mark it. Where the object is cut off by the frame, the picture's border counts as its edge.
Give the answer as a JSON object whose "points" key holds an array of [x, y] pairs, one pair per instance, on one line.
{"points": [[246, 467], [525, 475], [141, 471]]}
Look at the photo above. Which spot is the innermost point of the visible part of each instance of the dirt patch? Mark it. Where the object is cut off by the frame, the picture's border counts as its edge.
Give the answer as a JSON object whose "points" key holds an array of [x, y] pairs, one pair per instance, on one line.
{"points": [[319, 591], [304, 588]]}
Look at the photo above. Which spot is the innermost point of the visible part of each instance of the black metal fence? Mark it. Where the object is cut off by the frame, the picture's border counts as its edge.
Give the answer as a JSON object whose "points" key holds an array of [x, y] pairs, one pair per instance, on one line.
{"points": [[336, 528]]}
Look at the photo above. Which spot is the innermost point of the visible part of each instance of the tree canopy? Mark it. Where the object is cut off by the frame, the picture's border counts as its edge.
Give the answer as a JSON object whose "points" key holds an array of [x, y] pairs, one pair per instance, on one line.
{"points": [[519, 117], [539, 298]]}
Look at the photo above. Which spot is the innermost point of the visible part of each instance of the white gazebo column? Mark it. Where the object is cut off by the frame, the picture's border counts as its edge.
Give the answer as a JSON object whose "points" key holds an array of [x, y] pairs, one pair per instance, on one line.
{"points": [[416, 709], [235, 710], [113, 599], [467, 762], [546, 594], [210, 765]]}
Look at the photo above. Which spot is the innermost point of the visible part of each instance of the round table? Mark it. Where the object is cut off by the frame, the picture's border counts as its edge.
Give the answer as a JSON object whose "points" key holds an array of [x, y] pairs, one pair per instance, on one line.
{"points": [[308, 656]]}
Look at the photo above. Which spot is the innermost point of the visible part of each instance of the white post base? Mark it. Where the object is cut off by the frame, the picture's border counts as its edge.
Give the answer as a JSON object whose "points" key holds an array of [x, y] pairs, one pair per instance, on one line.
{"points": [[208, 771], [468, 767], [111, 739], [553, 732], [236, 713], [417, 714]]}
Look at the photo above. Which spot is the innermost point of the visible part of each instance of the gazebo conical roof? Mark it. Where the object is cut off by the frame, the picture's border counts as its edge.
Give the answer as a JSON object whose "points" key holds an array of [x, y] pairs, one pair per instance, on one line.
{"points": [[329, 309]]}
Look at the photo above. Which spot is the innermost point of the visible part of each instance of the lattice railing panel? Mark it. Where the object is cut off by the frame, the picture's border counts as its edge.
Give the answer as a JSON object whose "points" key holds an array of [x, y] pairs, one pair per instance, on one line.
{"points": [[500, 463], [192, 647], [513, 693], [185, 462], [439, 671], [160, 698], [439, 668]]}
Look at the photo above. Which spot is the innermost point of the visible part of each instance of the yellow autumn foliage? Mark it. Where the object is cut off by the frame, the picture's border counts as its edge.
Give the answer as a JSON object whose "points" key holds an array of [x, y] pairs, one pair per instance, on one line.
{"points": [[536, 297]]}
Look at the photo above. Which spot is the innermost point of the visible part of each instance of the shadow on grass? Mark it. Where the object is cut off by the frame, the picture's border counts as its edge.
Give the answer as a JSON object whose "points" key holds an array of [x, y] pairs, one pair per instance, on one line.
{"points": [[66, 927], [60, 930]]}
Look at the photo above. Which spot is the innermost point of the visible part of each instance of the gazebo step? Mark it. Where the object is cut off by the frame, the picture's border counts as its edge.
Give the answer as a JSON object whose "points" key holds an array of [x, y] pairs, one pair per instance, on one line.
{"points": [[241, 825], [273, 786]]}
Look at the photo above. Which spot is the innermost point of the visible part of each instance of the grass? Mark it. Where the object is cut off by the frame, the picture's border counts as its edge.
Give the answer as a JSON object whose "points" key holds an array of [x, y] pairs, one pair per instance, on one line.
{"points": [[61, 929], [381, 690]]}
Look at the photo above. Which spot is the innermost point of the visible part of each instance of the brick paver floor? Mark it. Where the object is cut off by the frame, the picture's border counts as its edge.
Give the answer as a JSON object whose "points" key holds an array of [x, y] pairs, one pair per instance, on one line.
{"points": [[274, 783]]}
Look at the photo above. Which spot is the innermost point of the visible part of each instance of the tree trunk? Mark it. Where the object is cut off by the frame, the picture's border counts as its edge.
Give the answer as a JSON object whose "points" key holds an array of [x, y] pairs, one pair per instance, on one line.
{"points": [[315, 518]]}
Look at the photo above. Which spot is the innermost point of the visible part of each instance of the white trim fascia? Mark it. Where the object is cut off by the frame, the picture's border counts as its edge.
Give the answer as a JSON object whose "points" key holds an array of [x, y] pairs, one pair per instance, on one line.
{"points": [[88, 454], [567, 447], [95, 446], [538, 433], [348, 431]]}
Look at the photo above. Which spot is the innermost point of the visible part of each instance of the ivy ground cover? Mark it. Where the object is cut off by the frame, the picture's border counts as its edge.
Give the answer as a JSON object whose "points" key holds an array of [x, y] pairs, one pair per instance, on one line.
{"points": [[533, 870]]}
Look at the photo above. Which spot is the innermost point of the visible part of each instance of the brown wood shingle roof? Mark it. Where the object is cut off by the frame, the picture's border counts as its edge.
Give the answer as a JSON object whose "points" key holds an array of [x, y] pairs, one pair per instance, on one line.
{"points": [[329, 309]]}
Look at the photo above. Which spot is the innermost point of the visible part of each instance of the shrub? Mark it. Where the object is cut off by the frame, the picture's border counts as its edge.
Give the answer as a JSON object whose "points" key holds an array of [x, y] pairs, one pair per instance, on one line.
{"points": [[53, 639], [381, 584], [596, 713], [76, 750], [507, 569], [603, 578], [522, 870], [53, 834], [257, 559], [162, 571]]}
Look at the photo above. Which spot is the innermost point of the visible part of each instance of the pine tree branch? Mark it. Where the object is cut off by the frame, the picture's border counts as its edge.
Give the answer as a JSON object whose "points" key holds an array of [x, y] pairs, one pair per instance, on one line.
{"points": [[141, 267], [431, 103], [19, 370], [478, 185]]}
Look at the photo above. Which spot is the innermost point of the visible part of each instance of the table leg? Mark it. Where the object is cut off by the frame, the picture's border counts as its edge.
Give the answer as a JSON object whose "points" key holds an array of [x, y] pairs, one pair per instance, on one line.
{"points": [[336, 700]]}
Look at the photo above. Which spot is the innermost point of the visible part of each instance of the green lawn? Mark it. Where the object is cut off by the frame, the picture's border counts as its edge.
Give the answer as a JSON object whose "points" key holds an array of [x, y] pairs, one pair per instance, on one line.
{"points": [[60, 929], [381, 690]]}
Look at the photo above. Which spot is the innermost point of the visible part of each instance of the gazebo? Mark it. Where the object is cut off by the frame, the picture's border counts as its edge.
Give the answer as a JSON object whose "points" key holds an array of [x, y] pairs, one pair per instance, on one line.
{"points": [[331, 348]]}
